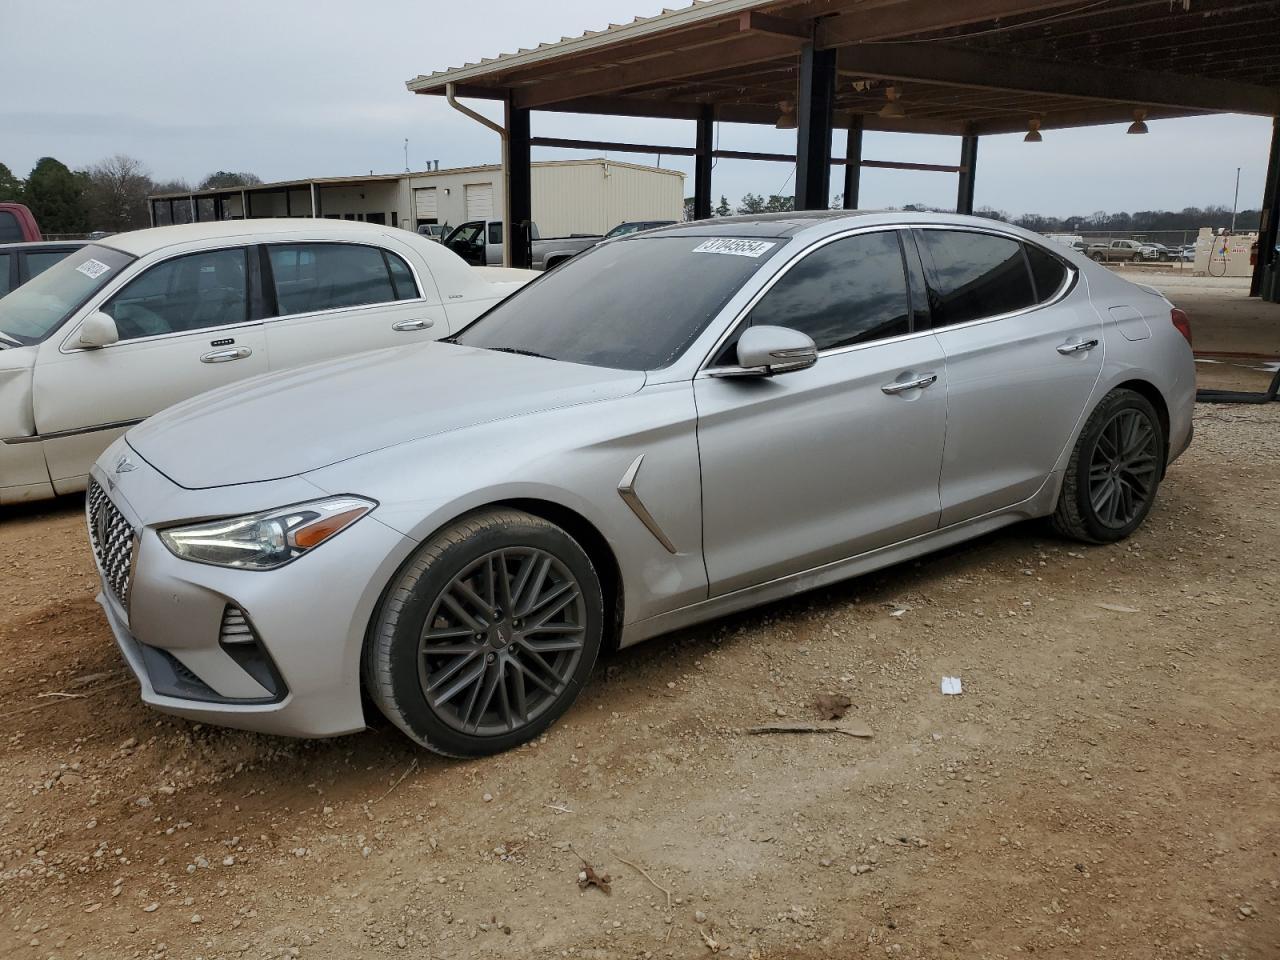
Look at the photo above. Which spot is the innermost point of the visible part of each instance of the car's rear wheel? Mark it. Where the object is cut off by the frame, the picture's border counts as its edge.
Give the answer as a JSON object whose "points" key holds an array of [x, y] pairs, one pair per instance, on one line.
{"points": [[487, 635], [1114, 471], [1096, 257]]}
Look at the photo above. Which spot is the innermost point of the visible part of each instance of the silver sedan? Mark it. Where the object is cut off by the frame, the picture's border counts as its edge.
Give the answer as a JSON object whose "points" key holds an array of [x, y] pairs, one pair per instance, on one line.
{"points": [[670, 427]]}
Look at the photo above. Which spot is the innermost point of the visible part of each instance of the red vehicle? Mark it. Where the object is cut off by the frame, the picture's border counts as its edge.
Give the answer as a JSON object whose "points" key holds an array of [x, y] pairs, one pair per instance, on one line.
{"points": [[17, 225]]}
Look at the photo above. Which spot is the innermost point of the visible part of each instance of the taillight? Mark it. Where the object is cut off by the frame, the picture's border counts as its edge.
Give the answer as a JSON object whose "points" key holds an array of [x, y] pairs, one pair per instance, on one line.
{"points": [[1182, 322]]}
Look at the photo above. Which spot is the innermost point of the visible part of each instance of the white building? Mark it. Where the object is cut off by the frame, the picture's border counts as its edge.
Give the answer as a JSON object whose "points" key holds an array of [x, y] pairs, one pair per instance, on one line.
{"points": [[569, 196]]}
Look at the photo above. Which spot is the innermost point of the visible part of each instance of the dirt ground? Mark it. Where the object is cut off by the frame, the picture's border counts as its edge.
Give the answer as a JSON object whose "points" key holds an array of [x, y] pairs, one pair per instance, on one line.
{"points": [[1108, 784]]}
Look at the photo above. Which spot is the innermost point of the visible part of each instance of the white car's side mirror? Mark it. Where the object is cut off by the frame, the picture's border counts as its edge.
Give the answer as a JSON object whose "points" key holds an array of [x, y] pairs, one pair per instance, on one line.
{"points": [[98, 330]]}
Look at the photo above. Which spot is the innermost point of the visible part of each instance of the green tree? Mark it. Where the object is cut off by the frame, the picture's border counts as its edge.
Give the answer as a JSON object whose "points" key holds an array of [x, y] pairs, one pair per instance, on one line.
{"points": [[777, 204], [751, 203], [56, 197], [723, 209], [10, 186], [688, 208], [226, 178]]}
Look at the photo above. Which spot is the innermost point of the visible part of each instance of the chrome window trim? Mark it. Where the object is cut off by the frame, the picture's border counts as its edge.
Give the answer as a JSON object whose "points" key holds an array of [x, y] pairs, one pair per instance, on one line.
{"points": [[413, 271], [68, 348], [1072, 276]]}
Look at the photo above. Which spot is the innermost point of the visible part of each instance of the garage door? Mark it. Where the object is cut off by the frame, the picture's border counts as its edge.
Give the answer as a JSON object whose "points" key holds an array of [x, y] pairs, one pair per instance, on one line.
{"points": [[479, 201], [425, 203]]}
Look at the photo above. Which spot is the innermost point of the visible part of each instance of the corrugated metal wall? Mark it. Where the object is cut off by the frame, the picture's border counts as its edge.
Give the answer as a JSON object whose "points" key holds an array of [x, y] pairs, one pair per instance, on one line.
{"points": [[595, 196]]}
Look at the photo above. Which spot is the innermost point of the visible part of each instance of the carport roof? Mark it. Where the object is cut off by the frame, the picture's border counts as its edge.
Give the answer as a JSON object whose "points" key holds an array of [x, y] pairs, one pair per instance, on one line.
{"points": [[964, 66]]}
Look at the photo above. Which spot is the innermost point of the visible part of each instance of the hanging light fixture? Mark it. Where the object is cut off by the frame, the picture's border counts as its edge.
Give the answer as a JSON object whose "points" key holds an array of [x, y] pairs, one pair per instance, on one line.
{"points": [[786, 115], [1139, 124], [1033, 131], [892, 110]]}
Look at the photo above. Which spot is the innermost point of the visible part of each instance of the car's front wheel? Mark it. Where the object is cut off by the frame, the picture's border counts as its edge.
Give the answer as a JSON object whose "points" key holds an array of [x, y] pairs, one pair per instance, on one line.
{"points": [[1114, 471], [487, 635]]}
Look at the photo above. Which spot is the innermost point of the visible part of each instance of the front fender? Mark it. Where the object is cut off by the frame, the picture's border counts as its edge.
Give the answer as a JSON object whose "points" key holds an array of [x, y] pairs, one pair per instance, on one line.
{"points": [[574, 459]]}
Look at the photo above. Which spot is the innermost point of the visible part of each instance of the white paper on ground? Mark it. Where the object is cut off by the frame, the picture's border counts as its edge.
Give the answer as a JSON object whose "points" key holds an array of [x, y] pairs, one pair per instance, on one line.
{"points": [[951, 686]]}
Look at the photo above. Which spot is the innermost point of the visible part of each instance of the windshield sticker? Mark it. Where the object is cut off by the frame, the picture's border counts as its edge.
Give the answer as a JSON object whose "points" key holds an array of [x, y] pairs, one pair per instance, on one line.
{"points": [[736, 248], [93, 269]]}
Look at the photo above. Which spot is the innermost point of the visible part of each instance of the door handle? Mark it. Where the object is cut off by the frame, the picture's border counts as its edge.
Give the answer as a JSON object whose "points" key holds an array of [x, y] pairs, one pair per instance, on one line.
{"points": [[226, 356], [407, 326], [902, 386], [1067, 349]]}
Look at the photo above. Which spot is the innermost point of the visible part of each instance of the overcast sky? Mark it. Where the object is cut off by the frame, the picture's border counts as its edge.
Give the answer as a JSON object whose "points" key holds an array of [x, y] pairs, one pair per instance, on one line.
{"points": [[302, 88]]}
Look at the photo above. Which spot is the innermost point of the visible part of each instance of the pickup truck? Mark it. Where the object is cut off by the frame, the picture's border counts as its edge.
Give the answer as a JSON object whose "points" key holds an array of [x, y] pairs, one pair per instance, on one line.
{"points": [[1128, 250], [17, 225], [479, 242]]}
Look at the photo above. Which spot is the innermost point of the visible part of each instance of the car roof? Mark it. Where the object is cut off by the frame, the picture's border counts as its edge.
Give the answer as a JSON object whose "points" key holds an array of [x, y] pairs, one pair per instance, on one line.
{"points": [[142, 242], [44, 245]]}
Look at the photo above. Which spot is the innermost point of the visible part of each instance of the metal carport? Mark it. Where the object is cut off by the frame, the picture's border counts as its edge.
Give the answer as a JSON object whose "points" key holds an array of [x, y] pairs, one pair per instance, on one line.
{"points": [[965, 68]]}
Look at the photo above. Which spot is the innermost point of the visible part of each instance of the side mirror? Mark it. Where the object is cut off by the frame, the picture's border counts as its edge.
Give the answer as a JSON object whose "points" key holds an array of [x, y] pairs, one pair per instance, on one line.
{"points": [[98, 330], [765, 351]]}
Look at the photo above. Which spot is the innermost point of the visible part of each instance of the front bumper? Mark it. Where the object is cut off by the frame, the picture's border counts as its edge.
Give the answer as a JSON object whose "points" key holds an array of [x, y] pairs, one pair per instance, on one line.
{"points": [[309, 617]]}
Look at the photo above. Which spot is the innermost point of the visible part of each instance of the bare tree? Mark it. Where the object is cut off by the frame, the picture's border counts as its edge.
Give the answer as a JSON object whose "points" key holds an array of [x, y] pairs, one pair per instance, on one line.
{"points": [[117, 191]]}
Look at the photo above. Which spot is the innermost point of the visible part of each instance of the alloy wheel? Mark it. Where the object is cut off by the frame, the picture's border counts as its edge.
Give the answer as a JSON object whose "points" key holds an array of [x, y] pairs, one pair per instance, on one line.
{"points": [[1124, 469], [502, 641]]}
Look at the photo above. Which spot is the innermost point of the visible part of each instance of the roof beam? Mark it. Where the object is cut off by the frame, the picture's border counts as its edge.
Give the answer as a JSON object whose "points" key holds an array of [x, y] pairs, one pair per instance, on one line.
{"points": [[764, 23], [741, 51], [916, 16], [954, 66], [1087, 117]]}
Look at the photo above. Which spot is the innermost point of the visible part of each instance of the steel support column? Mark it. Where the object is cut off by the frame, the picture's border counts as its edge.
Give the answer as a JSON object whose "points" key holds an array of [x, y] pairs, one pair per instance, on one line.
{"points": [[813, 133], [1266, 272], [518, 202], [968, 170], [853, 163], [702, 163]]}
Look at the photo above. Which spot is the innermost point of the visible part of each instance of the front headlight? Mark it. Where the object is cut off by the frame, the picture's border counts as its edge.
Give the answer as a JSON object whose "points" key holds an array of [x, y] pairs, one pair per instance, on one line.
{"points": [[264, 541]]}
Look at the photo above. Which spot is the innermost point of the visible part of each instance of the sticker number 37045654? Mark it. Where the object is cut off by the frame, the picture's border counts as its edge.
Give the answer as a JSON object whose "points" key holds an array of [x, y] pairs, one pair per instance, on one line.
{"points": [[93, 269], [736, 248]]}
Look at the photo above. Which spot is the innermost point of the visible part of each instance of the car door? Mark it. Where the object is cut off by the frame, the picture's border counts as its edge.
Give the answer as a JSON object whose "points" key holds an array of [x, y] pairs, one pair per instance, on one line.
{"points": [[187, 324], [335, 299], [813, 466], [1023, 349]]}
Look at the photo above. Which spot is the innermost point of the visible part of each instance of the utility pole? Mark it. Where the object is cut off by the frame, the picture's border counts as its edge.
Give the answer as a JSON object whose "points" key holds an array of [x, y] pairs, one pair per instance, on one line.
{"points": [[406, 154], [1236, 202]]}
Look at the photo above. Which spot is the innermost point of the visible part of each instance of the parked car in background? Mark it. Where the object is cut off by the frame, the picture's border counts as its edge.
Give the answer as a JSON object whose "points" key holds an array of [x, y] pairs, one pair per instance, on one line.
{"points": [[133, 323], [433, 231], [479, 242], [1185, 253], [1156, 251], [1115, 250], [17, 225], [19, 262], [670, 427], [635, 226]]}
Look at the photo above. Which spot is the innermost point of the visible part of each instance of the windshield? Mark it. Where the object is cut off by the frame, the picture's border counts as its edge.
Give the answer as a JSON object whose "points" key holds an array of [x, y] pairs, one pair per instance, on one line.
{"points": [[35, 310], [631, 305]]}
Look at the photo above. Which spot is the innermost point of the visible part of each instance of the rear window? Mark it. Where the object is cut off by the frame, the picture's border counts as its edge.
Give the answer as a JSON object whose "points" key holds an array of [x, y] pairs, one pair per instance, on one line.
{"points": [[974, 275], [631, 305], [10, 228]]}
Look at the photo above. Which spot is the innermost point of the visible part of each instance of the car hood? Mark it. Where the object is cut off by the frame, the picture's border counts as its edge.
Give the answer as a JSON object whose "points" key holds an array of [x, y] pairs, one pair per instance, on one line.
{"points": [[295, 421]]}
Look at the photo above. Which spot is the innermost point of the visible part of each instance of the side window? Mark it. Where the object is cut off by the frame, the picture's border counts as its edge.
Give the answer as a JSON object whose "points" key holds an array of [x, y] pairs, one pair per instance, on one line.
{"points": [[1047, 271], [328, 276], [38, 263], [495, 232], [974, 275], [401, 277], [10, 228], [192, 292], [5, 260], [849, 291]]}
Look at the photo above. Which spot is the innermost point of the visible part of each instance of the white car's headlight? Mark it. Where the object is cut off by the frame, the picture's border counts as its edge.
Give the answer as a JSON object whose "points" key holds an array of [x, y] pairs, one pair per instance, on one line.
{"points": [[264, 541]]}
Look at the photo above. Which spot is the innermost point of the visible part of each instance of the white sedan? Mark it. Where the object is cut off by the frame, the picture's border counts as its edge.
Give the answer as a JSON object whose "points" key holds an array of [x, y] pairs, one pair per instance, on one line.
{"points": [[135, 322]]}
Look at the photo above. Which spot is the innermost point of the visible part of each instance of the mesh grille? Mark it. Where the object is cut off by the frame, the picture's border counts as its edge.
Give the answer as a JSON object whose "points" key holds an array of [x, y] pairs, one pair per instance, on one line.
{"points": [[112, 540]]}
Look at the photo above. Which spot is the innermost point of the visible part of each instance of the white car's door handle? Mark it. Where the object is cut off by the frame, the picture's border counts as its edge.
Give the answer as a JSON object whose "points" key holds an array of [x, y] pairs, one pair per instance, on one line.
{"points": [[406, 326], [902, 386], [1067, 349], [227, 355]]}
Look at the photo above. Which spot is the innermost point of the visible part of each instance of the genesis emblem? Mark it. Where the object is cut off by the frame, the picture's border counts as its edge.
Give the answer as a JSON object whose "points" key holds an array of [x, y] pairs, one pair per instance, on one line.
{"points": [[125, 465]]}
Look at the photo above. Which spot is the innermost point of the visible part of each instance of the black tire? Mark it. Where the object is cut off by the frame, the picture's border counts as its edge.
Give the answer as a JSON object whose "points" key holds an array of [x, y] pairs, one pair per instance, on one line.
{"points": [[1096, 257], [1076, 515], [402, 675]]}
